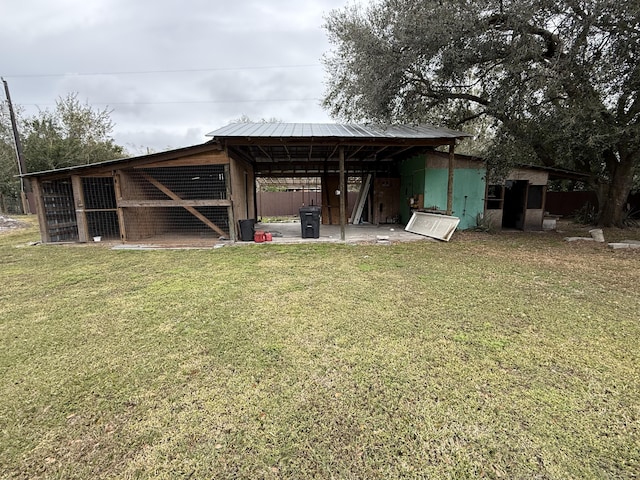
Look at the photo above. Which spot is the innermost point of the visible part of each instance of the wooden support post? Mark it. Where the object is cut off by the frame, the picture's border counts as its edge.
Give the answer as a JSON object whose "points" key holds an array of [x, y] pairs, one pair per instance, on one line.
{"points": [[81, 216], [450, 179], [191, 210], [343, 196], [231, 217], [42, 218], [118, 191]]}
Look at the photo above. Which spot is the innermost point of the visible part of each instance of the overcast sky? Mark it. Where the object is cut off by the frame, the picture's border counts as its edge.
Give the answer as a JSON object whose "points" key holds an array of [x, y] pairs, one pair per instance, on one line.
{"points": [[171, 70]]}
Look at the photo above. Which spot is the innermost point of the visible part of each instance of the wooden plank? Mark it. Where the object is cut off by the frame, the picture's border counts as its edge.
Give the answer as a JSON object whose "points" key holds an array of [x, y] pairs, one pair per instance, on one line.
{"points": [[450, 179], [81, 217], [173, 203], [189, 209], [230, 215], [118, 191], [356, 215], [42, 221], [343, 196], [211, 158]]}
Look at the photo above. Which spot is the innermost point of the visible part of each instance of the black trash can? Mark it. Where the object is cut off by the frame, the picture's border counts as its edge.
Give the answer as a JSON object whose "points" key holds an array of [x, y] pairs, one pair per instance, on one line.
{"points": [[310, 222], [247, 229]]}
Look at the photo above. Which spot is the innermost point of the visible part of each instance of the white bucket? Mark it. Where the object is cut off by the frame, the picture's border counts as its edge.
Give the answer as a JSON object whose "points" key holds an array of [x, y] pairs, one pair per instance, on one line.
{"points": [[99, 239], [597, 234]]}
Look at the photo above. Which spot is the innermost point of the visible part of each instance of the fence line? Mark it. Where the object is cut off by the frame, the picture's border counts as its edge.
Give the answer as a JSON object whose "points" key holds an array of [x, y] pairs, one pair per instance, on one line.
{"points": [[10, 204]]}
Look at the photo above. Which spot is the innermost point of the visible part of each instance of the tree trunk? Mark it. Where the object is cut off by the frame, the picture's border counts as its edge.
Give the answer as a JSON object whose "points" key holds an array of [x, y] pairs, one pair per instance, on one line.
{"points": [[612, 196]]}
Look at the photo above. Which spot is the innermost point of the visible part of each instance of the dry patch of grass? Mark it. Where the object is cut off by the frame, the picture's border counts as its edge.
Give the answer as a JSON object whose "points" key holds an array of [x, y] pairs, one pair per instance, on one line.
{"points": [[498, 356]]}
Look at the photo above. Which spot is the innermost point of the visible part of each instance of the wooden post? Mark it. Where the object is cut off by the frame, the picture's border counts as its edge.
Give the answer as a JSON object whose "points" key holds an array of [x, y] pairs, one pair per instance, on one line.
{"points": [[40, 211], [81, 216], [117, 186], [343, 196], [450, 179], [22, 169], [232, 222]]}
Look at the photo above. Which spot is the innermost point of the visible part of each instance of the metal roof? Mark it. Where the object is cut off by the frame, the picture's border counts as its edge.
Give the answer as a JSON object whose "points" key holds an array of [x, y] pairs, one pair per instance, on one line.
{"points": [[335, 130]]}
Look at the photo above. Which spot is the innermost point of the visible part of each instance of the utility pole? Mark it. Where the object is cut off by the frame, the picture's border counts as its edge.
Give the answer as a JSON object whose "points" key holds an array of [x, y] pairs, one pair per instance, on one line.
{"points": [[25, 187]]}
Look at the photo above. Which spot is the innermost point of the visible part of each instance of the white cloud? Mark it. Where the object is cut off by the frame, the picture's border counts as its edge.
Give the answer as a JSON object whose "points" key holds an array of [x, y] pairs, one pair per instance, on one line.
{"points": [[159, 110]]}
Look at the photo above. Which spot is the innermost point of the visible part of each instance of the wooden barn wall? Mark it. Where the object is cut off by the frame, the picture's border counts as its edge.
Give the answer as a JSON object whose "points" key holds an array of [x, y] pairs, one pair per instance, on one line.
{"points": [[386, 200], [242, 189]]}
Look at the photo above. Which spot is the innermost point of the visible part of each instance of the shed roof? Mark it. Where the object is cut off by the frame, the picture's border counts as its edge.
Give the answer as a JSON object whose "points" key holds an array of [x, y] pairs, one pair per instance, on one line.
{"points": [[335, 130], [312, 148]]}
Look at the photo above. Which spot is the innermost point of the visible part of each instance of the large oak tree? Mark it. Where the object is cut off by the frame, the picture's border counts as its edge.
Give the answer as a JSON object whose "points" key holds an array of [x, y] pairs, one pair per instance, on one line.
{"points": [[557, 78]]}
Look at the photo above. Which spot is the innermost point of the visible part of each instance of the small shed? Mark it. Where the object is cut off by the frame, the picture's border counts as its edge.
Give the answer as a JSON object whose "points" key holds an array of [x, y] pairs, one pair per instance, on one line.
{"points": [[519, 201]]}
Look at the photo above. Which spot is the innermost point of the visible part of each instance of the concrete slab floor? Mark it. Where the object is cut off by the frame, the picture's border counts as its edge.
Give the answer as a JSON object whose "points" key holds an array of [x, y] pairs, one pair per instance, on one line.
{"points": [[364, 233]]}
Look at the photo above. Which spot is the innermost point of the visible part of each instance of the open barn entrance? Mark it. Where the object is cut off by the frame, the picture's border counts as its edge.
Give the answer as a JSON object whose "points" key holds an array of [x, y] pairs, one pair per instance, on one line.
{"points": [[280, 198]]}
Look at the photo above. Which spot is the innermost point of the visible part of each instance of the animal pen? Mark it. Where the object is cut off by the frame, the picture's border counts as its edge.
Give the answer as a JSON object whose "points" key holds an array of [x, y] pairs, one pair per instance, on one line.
{"points": [[170, 197]]}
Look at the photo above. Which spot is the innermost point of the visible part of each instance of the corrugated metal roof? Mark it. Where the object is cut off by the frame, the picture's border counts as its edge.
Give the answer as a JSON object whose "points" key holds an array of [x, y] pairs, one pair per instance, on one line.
{"points": [[333, 130]]}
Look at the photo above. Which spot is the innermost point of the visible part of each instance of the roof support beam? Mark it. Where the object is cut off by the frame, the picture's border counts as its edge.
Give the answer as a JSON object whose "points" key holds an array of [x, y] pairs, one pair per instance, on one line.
{"points": [[450, 179], [265, 153], [343, 196]]}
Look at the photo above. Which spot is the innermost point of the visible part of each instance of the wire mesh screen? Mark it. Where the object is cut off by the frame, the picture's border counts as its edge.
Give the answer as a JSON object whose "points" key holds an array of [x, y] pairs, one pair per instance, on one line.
{"points": [[185, 183], [100, 207], [59, 210], [103, 224], [99, 193], [175, 202]]}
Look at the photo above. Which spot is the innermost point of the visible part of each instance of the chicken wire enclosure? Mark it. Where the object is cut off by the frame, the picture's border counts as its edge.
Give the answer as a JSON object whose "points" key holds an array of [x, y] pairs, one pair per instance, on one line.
{"points": [[100, 207], [168, 202], [59, 211], [185, 183]]}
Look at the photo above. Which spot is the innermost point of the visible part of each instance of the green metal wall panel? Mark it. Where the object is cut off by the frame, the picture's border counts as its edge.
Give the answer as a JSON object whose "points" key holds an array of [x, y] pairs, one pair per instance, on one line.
{"points": [[435, 188], [468, 190], [468, 196]]}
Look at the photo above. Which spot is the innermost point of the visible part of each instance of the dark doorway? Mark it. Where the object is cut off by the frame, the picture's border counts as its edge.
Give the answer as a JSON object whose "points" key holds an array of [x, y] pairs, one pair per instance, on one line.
{"points": [[515, 201]]}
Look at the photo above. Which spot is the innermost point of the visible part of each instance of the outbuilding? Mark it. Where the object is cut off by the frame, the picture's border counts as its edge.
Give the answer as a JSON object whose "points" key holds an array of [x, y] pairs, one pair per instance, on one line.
{"points": [[200, 193]]}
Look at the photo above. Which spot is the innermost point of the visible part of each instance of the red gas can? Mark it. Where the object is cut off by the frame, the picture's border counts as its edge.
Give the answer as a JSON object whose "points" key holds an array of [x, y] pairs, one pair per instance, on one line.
{"points": [[258, 237], [268, 237]]}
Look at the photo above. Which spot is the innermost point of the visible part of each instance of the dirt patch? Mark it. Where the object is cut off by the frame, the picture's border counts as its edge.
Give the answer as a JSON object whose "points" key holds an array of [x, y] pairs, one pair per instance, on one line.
{"points": [[8, 223]]}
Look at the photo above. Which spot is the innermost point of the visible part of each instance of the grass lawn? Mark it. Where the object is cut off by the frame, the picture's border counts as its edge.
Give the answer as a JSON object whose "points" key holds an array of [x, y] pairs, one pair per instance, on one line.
{"points": [[492, 356]]}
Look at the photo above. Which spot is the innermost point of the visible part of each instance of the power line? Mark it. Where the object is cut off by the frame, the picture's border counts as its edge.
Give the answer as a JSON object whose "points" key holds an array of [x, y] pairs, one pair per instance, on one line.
{"points": [[147, 72], [188, 102]]}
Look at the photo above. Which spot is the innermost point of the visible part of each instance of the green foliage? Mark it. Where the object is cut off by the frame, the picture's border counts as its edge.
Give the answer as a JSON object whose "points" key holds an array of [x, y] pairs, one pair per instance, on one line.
{"points": [[72, 134], [586, 215], [557, 80]]}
